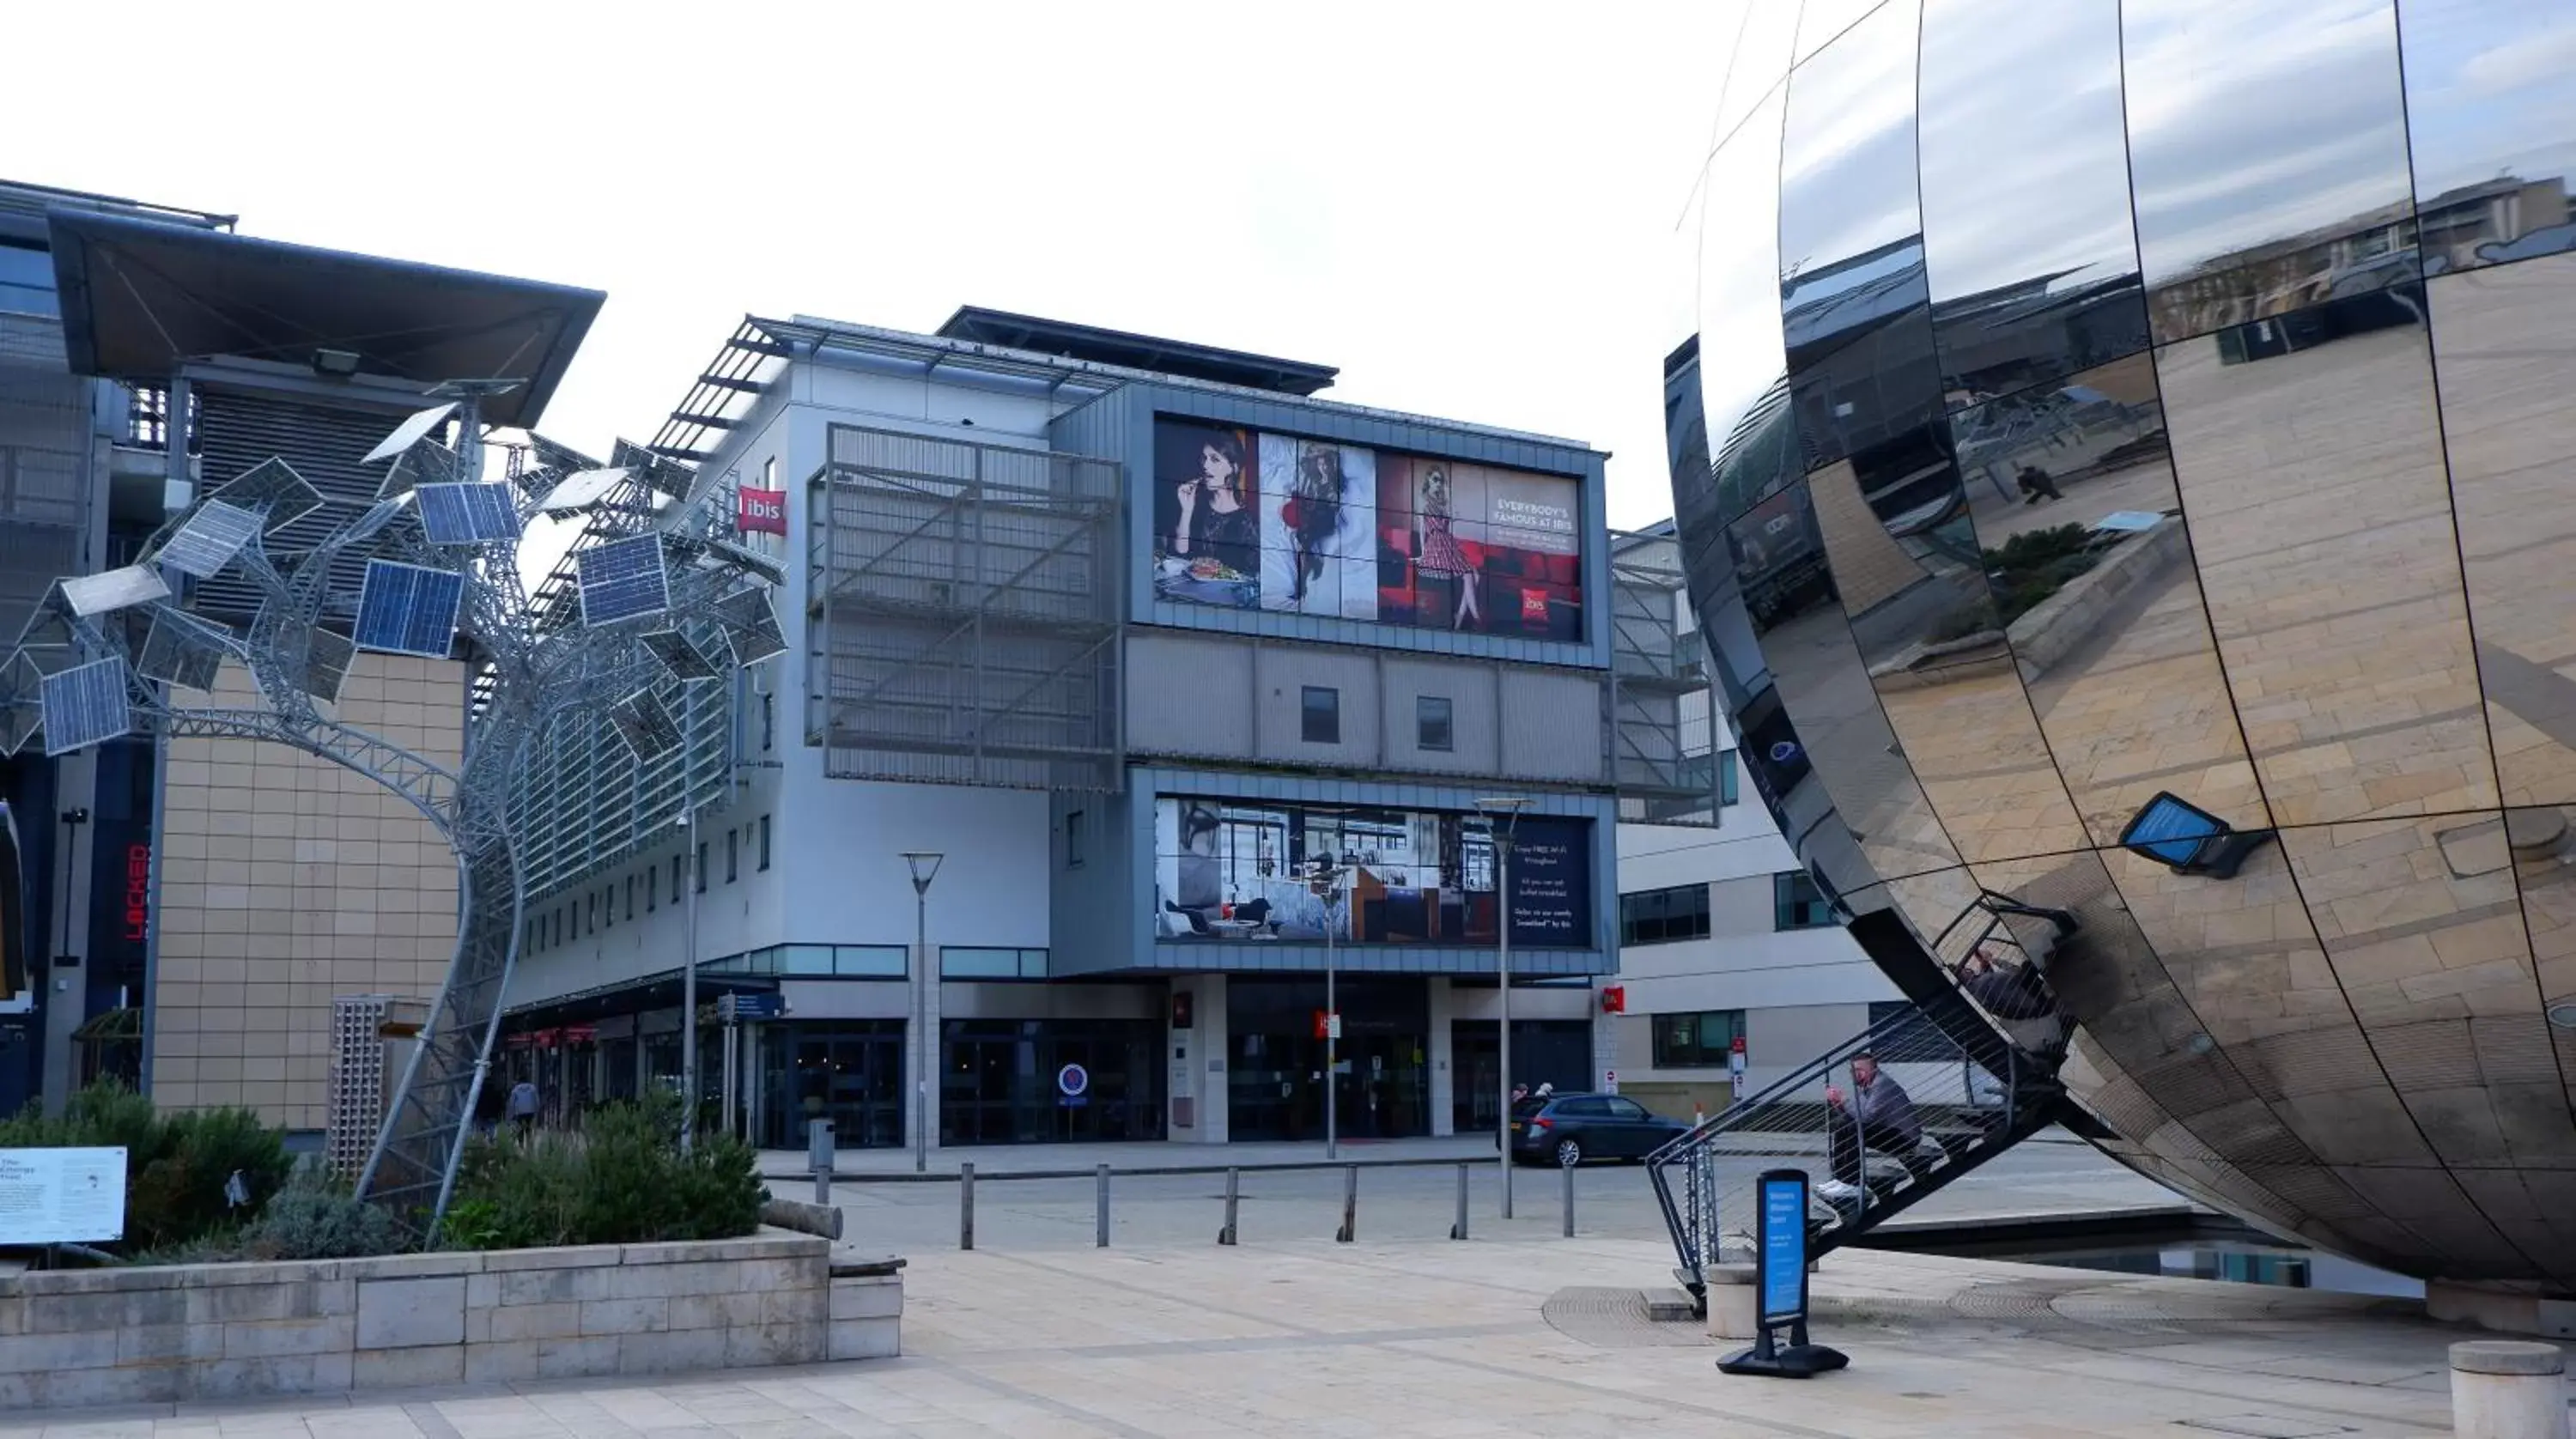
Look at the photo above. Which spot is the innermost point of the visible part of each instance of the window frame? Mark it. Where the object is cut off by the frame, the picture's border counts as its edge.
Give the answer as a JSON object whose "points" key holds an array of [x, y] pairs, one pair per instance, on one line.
{"points": [[702, 864], [1447, 721], [733, 854], [1791, 912], [1668, 925], [764, 842], [1076, 843], [1308, 713], [1699, 1054]]}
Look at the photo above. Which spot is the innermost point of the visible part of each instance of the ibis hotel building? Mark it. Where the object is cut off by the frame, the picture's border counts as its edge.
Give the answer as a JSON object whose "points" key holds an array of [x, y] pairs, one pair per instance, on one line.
{"points": [[1099, 648]]}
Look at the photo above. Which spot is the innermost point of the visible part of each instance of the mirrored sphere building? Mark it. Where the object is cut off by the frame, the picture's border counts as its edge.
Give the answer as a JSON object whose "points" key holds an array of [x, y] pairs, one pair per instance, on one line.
{"points": [[2127, 469]]}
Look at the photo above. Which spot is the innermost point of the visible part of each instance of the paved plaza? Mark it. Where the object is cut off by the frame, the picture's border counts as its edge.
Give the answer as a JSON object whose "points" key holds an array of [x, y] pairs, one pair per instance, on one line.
{"points": [[1497, 1337]]}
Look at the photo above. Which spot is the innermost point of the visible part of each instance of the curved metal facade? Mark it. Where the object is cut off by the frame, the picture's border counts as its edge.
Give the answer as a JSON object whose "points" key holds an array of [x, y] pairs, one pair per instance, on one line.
{"points": [[2108, 399]]}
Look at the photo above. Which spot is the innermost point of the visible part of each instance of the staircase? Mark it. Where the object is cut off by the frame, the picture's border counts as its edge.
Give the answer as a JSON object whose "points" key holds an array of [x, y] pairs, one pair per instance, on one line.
{"points": [[1978, 1083]]}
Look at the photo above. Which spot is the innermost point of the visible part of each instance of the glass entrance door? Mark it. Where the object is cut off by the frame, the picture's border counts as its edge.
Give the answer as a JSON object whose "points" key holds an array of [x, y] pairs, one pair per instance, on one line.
{"points": [[851, 1074]]}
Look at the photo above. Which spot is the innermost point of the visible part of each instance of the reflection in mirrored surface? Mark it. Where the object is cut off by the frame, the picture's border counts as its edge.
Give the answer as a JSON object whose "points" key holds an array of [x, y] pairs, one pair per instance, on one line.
{"points": [[2027, 237], [2542, 843], [2504, 346], [2311, 475], [2493, 119], [2267, 148], [1740, 365], [1821, 22], [2072, 492], [1757, 60], [1859, 335]]}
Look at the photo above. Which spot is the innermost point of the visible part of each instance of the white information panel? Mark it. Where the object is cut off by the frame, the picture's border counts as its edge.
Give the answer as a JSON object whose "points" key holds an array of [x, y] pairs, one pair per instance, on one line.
{"points": [[61, 1196]]}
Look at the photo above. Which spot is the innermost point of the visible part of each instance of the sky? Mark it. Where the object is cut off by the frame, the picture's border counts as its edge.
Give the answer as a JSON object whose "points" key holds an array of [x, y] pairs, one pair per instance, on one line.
{"points": [[1469, 208]]}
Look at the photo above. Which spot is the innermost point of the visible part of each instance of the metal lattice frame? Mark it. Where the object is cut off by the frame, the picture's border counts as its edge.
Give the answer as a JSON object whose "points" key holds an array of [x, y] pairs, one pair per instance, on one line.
{"points": [[1659, 689], [547, 679]]}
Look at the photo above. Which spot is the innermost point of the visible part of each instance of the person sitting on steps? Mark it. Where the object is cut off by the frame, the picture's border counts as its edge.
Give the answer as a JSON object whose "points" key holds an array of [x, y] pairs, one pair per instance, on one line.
{"points": [[1876, 1114]]}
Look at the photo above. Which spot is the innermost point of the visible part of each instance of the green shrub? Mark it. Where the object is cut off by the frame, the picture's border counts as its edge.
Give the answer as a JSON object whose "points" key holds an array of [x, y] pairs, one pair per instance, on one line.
{"points": [[176, 1164], [622, 1181], [317, 1217]]}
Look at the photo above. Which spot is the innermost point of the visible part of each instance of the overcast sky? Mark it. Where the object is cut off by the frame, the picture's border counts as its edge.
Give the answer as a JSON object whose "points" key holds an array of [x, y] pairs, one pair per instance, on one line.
{"points": [[1467, 207]]}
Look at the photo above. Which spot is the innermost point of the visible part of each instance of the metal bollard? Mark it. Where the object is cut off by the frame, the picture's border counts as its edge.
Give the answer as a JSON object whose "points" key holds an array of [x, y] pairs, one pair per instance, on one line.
{"points": [[1100, 1209], [966, 1205], [1350, 1205], [1569, 1201], [1233, 1178], [1459, 1229], [823, 1186]]}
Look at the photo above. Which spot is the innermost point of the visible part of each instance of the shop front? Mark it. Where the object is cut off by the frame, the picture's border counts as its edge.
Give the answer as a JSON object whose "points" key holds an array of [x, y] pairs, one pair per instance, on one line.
{"points": [[1275, 1069]]}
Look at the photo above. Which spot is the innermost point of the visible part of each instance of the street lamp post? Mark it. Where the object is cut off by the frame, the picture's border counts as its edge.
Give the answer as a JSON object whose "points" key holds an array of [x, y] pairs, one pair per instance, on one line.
{"points": [[1501, 816], [689, 992], [1331, 877], [925, 868]]}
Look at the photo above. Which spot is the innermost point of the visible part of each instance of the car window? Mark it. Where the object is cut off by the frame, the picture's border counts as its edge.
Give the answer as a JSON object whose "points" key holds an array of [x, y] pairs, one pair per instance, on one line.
{"points": [[1585, 1108], [1626, 1109]]}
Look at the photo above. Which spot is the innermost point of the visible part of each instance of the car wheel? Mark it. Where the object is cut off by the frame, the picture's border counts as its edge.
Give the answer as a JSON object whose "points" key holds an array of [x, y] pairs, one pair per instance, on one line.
{"points": [[1569, 1153]]}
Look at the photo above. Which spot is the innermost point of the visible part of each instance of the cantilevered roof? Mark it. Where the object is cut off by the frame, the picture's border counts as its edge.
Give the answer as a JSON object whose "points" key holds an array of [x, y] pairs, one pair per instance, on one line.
{"points": [[140, 299], [1138, 352]]}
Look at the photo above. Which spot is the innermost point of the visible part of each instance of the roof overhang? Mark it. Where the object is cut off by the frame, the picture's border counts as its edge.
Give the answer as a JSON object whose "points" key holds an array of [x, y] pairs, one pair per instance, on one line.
{"points": [[142, 299]]}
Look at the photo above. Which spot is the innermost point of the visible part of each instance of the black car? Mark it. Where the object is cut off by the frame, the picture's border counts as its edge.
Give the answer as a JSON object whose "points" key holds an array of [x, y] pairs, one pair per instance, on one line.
{"points": [[1568, 1129]]}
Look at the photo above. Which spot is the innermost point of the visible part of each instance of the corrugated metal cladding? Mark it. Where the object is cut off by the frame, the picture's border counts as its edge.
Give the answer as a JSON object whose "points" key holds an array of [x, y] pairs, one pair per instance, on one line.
{"points": [[44, 466], [236, 430]]}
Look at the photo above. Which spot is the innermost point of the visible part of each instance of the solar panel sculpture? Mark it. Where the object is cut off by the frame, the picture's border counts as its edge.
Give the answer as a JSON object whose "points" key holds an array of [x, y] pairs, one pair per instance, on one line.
{"points": [[431, 565]]}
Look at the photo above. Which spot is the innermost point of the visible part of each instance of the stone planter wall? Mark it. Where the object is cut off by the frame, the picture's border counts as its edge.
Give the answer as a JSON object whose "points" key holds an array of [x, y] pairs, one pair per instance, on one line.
{"points": [[207, 1331]]}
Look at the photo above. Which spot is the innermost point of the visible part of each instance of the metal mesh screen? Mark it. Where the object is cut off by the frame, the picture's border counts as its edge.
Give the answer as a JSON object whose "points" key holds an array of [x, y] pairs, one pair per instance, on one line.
{"points": [[963, 612], [45, 466]]}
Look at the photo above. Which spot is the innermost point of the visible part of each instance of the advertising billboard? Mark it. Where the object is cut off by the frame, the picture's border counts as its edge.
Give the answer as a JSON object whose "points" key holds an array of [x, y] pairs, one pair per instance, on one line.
{"points": [[1245, 519], [1236, 870]]}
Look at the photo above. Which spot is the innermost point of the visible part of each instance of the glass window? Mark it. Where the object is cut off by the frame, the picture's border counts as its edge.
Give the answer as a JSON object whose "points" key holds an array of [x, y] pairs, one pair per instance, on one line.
{"points": [[733, 855], [677, 862], [1627, 1109], [630, 896], [1431, 722], [652, 888], [764, 841], [27, 281], [2493, 136], [2054, 288], [1726, 777], [769, 473], [870, 961], [702, 866], [768, 721], [1796, 903], [806, 959], [2247, 207], [1074, 840], [1321, 715], [974, 962], [1661, 916], [1686, 1041], [591, 921]]}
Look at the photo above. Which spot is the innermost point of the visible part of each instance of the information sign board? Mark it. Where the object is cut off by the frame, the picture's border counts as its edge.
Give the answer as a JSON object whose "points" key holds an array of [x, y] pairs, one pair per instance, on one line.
{"points": [[61, 1196]]}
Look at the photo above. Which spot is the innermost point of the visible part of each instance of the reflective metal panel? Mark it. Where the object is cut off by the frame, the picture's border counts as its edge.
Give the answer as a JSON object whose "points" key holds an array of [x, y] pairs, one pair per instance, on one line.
{"points": [[2027, 237], [1740, 359], [2072, 494], [2311, 475], [2504, 348], [1861, 368], [2267, 150], [1757, 61], [1821, 22], [2492, 114]]}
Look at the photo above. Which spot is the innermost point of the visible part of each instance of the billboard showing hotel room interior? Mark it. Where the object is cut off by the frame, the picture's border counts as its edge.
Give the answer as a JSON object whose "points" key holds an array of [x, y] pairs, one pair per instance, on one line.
{"points": [[1233, 870], [1245, 519]]}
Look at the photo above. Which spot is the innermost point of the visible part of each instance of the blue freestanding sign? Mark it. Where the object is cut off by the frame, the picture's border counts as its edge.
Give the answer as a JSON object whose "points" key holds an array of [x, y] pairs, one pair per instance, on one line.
{"points": [[1780, 1285]]}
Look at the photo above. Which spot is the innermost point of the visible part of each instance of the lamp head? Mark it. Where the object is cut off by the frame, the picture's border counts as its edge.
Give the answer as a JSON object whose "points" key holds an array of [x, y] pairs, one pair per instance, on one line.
{"points": [[925, 867]]}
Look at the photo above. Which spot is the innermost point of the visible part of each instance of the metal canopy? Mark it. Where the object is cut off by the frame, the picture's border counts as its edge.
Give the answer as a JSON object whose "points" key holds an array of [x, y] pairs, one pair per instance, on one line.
{"points": [[1141, 352], [140, 299]]}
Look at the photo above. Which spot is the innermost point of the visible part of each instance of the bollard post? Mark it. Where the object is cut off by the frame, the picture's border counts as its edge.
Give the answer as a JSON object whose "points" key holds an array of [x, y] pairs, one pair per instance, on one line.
{"points": [[1100, 1209], [822, 1186], [1350, 1205], [2507, 1389], [1569, 1201], [966, 1205], [819, 1157], [1459, 1229], [1233, 1178]]}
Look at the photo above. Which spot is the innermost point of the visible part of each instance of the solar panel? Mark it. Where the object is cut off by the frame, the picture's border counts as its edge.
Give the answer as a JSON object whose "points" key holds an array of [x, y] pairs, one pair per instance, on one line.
{"points": [[668, 476], [184, 650], [378, 515], [318, 661], [715, 553], [623, 580], [581, 489], [410, 432], [210, 538], [273, 488], [468, 514], [682, 658], [85, 705], [751, 625], [427, 463], [409, 609], [114, 589], [645, 726]]}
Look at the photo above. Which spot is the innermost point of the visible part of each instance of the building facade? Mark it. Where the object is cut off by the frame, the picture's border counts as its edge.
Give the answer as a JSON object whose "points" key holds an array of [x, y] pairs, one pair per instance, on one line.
{"points": [[1134, 636], [2114, 495]]}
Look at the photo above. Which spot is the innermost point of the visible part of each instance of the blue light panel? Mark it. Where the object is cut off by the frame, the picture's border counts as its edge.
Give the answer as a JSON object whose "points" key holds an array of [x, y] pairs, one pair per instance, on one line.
{"points": [[409, 609], [467, 514], [85, 705], [623, 580]]}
